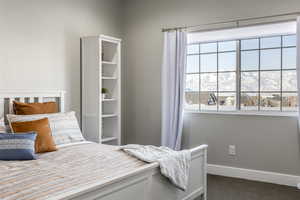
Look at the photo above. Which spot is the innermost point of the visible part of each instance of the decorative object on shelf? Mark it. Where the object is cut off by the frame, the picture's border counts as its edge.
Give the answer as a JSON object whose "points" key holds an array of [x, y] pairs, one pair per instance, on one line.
{"points": [[105, 93]]}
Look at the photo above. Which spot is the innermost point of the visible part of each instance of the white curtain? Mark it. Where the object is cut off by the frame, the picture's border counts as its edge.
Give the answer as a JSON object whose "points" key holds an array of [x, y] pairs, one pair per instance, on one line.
{"points": [[173, 69], [298, 68]]}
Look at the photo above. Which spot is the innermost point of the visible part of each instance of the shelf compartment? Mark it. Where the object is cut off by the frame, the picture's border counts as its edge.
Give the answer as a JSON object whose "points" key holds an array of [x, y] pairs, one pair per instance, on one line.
{"points": [[109, 71], [110, 52], [113, 88], [109, 107]]}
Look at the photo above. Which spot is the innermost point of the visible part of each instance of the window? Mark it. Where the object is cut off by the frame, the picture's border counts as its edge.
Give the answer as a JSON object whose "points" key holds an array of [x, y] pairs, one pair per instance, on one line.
{"points": [[255, 74]]}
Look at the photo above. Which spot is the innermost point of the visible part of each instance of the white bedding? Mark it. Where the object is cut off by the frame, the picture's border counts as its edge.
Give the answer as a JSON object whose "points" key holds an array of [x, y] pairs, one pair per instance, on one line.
{"points": [[174, 165], [71, 169]]}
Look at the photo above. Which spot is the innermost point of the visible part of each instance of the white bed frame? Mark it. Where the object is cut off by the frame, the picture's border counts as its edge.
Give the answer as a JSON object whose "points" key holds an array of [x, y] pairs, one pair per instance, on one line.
{"points": [[142, 184]]}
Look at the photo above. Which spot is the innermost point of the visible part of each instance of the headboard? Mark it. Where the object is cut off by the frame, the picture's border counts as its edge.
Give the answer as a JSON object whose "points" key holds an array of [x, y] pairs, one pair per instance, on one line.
{"points": [[28, 96]]}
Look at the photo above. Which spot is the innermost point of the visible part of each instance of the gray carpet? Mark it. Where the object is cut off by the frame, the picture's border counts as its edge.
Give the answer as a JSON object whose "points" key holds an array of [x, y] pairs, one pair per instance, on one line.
{"points": [[223, 188]]}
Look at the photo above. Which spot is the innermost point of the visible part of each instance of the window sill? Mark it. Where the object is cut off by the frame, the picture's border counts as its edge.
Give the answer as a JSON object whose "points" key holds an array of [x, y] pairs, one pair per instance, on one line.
{"points": [[272, 114]]}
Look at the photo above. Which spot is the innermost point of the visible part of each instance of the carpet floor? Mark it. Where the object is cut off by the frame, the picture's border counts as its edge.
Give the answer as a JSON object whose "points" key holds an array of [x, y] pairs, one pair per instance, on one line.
{"points": [[224, 188]]}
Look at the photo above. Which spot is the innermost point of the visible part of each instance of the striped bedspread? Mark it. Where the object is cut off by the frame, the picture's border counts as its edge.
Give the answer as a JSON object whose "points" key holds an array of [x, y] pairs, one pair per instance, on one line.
{"points": [[58, 173]]}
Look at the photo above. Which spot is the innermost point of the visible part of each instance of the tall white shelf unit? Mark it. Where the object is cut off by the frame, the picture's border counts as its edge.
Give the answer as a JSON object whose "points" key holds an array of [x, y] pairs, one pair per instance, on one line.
{"points": [[101, 68]]}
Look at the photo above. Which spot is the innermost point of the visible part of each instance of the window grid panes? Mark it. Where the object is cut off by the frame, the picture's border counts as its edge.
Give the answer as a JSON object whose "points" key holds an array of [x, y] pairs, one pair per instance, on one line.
{"points": [[257, 74]]}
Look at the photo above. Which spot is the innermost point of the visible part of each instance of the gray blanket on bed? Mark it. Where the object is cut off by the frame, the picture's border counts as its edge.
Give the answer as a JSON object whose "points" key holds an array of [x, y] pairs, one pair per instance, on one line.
{"points": [[173, 164]]}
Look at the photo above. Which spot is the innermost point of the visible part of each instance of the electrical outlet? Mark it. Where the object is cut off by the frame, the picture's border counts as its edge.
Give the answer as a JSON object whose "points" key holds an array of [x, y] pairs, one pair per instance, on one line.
{"points": [[232, 150]]}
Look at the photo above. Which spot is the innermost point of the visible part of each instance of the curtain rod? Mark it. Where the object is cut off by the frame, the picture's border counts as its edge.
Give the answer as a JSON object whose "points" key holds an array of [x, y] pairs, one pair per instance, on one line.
{"points": [[237, 21]]}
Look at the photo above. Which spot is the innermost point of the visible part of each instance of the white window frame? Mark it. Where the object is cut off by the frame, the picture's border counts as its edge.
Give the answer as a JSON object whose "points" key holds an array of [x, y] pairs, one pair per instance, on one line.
{"points": [[238, 72]]}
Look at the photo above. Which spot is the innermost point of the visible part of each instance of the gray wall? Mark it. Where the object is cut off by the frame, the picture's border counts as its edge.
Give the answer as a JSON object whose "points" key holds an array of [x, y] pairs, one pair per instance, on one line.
{"points": [[263, 143], [40, 41]]}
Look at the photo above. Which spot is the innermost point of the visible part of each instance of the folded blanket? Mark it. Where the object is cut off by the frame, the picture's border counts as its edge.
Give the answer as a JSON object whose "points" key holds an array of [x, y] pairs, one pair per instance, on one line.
{"points": [[173, 164]]}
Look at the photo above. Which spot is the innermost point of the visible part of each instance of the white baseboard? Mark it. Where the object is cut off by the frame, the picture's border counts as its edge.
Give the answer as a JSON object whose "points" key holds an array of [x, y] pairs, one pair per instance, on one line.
{"points": [[254, 175]]}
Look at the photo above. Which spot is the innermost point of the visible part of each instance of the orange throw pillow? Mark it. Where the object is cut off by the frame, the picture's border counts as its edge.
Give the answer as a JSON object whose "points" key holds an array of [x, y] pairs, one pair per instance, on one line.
{"points": [[34, 108], [44, 141]]}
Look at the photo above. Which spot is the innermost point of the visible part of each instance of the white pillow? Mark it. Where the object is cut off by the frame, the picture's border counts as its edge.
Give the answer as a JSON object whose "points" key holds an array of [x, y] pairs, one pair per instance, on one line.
{"points": [[64, 126], [2, 126]]}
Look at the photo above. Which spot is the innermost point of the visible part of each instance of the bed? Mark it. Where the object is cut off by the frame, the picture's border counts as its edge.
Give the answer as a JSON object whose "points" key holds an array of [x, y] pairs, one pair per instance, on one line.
{"points": [[88, 170]]}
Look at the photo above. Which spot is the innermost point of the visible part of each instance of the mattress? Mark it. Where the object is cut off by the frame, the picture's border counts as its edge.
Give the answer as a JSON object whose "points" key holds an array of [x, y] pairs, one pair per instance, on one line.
{"points": [[71, 168]]}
